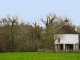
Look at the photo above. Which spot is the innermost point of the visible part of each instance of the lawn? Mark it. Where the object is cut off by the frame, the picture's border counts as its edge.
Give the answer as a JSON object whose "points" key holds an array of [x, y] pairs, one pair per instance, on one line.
{"points": [[39, 56]]}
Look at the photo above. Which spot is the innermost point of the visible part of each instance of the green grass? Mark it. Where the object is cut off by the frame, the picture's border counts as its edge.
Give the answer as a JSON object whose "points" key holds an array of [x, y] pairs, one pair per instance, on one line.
{"points": [[39, 56]]}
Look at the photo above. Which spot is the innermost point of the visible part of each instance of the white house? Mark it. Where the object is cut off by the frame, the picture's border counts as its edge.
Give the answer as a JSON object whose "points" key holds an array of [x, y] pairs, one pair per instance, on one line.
{"points": [[69, 40]]}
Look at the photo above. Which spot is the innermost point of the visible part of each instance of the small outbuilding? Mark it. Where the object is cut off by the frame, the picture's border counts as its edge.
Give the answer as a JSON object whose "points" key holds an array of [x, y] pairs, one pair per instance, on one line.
{"points": [[69, 40]]}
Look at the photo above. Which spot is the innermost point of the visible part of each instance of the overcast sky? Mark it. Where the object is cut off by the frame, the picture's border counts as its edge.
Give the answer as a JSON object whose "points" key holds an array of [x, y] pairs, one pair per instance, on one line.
{"points": [[29, 10]]}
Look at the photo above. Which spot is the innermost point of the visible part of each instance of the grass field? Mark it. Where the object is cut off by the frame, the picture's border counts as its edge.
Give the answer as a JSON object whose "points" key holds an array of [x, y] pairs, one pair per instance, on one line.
{"points": [[39, 56]]}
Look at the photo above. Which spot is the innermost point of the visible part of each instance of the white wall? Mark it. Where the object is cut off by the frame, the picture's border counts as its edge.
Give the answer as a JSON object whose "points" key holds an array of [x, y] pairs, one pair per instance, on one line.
{"points": [[68, 39]]}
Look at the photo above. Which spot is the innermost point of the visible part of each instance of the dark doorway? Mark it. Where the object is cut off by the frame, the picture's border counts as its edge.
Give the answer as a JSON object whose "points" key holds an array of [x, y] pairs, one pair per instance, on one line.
{"points": [[69, 46], [61, 46]]}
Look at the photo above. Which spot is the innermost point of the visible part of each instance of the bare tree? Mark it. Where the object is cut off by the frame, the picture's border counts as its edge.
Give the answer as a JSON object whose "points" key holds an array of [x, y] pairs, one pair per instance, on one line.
{"points": [[8, 30], [52, 26]]}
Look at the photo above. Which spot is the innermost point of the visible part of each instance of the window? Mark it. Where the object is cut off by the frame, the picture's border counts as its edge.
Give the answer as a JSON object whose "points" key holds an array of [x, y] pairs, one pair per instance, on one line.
{"points": [[58, 40]]}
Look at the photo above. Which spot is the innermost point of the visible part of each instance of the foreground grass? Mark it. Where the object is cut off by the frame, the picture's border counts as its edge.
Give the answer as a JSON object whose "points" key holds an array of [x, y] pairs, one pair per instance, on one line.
{"points": [[39, 56]]}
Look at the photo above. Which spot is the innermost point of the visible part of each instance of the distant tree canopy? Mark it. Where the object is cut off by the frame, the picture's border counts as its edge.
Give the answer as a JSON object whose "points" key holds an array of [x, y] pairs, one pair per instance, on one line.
{"points": [[18, 36]]}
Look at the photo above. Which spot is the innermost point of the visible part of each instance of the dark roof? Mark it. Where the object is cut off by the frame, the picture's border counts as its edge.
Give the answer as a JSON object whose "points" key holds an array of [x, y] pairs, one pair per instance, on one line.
{"points": [[66, 29]]}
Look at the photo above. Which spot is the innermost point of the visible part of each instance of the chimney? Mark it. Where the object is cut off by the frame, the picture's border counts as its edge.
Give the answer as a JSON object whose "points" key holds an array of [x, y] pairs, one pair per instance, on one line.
{"points": [[66, 22]]}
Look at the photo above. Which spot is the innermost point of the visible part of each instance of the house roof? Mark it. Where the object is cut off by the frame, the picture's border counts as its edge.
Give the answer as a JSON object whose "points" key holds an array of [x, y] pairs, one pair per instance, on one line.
{"points": [[67, 29]]}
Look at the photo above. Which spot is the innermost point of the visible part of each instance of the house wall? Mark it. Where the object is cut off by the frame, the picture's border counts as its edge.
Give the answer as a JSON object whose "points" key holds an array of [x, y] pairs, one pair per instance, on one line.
{"points": [[68, 39]]}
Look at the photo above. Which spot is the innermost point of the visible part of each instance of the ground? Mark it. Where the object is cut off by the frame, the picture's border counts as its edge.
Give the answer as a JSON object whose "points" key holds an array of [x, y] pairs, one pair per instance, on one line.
{"points": [[40, 56]]}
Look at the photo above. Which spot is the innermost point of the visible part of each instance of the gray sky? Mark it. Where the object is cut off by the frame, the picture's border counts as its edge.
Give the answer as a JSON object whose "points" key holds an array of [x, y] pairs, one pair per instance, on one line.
{"points": [[29, 10]]}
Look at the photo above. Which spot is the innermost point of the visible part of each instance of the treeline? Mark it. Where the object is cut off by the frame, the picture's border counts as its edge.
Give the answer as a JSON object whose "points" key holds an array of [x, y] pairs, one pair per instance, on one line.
{"points": [[16, 36]]}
